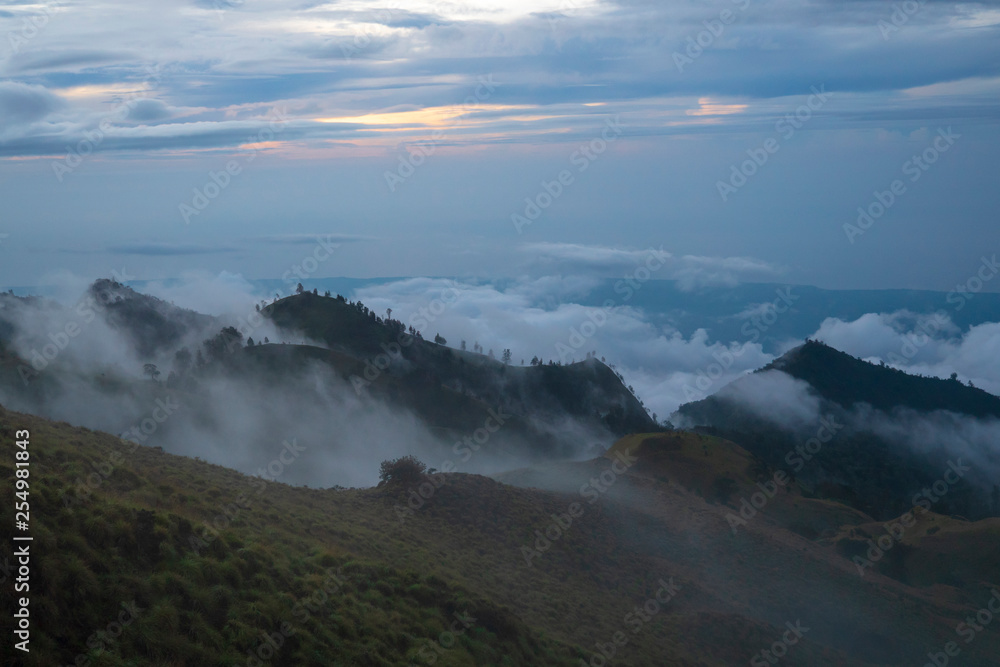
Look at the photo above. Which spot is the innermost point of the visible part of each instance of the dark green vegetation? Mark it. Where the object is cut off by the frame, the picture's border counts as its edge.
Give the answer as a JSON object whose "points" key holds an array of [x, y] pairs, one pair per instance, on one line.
{"points": [[587, 391], [877, 472], [847, 380], [284, 560], [55, 362], [344, 353], [537, 566], [151, 324], [358, 586]]}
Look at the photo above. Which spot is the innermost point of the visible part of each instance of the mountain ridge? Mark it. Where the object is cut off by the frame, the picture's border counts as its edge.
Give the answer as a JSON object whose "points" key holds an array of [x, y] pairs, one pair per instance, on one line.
{"points": [[884, 449]]}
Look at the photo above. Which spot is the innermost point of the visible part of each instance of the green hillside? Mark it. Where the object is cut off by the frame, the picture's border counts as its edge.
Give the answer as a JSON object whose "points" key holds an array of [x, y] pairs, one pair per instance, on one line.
{"points": [[141, 537], [394, 579]]}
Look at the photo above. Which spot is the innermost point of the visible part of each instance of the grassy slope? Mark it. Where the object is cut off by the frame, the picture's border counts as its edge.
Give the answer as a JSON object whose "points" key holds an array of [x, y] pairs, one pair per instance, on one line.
{"points": [[209, 606], [770, 570], [936, 550], [701, 463], [460, 551]]}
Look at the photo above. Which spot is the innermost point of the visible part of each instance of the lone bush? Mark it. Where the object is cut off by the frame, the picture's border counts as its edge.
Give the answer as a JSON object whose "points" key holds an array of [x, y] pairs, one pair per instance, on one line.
{"points": [[405, 469]]}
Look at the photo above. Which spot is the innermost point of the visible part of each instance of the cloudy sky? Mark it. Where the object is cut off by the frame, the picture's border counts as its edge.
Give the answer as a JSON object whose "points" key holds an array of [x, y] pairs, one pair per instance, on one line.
{"points": [[487, 139]]}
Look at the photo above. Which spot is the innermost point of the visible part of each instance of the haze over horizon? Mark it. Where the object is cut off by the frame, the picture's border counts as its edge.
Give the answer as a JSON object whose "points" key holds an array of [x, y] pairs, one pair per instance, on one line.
{"points": [[223, 136]]}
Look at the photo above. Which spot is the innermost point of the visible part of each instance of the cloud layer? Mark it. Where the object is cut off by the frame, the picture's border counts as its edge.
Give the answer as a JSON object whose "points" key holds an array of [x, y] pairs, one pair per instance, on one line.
{"points": [[217, 68]]}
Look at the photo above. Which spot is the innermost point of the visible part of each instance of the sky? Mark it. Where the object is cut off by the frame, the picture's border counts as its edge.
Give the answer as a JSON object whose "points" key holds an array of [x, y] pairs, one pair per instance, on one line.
{"points": [[483, 139]]}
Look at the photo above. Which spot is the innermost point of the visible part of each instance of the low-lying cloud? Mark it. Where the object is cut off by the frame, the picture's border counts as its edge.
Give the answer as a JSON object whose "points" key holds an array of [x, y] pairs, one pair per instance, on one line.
{"points": [[691, 271], [940, 435], [533, 317], [921, 344]]}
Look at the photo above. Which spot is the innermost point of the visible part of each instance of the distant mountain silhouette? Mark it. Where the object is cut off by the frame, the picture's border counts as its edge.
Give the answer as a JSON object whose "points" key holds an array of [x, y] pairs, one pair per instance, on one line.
{"points": [[866, 464], [152, 324], [547, 411], [587, 391], [847, 380]]}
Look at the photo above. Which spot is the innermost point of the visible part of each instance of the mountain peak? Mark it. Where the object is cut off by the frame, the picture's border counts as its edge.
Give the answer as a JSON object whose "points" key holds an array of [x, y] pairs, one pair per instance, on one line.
{"points": [[847, 380], [152, 323]]}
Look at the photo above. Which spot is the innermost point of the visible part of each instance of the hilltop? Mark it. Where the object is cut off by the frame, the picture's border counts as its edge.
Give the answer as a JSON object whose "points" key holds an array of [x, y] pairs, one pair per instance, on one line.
{"points": [[847, 380], [886, 442], [152, 325], [587, 390], [321, 368]]}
